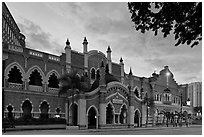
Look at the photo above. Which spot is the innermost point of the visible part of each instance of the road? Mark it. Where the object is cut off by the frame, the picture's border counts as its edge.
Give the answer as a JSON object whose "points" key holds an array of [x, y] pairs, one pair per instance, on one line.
{"points": [[194, 130]]}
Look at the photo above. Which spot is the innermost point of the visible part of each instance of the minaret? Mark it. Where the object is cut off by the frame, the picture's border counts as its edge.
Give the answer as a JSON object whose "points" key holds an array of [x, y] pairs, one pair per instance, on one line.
{"points": [[122, 70], [85, 44], [109, 62], [68, 56]]}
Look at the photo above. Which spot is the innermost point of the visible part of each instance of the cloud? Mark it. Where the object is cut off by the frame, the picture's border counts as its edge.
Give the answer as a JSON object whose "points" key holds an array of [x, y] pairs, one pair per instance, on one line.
{"points": [[36, 38]]}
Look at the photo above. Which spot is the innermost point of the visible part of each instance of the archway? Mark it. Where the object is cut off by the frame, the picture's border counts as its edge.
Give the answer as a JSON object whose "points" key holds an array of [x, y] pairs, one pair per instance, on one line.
{"points": [[44, 108], [109, 114], [137, 118], [74, 114], [123, 115], [92, 117], [27, 107]]}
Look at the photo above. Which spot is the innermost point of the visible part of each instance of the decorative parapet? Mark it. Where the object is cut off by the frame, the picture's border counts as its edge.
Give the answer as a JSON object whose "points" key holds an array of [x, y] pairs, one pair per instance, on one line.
{"points": [[15, 86], [53, 58], [35, 88], [34, 53], [15, 48], [53, 90]]}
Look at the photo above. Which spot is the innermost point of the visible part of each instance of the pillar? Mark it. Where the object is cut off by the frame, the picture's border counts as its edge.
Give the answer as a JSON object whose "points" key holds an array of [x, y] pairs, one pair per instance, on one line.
{"points": [[82, 112], [144, 114], [122, 70], [66, 112]]}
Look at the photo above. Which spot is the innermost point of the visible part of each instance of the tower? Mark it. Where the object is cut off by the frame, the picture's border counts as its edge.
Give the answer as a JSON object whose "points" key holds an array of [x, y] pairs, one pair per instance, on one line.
{"points": [[109, 62], [85, 44], [68, 56]]}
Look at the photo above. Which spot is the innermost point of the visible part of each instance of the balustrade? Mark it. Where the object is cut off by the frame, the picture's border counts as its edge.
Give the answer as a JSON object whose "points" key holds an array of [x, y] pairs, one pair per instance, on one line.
{"points": [[35, 88], [15, 85]]}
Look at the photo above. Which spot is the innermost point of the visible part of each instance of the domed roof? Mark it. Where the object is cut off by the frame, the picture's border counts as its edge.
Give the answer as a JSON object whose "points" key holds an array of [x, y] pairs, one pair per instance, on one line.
{"points": [[108, 78]]}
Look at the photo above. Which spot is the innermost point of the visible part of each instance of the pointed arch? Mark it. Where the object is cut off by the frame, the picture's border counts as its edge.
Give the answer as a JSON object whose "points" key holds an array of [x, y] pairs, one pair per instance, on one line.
{"points": [[30, 70], [93, 73], [10, 66], [110, 113], [92, 115], [50, 73], [136, 91], [137, 117], [52, 79]]}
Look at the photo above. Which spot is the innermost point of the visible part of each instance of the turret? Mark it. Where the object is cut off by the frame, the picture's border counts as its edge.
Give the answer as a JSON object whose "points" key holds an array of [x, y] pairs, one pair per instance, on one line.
{"points": [[109, 62], [68, 55], [85, 44]]}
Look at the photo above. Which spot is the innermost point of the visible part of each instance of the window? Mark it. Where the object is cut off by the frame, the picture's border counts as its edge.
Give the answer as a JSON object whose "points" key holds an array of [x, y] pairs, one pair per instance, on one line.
{"points": [[53, 81], [15, 76], [93, 73], [35, 78]]}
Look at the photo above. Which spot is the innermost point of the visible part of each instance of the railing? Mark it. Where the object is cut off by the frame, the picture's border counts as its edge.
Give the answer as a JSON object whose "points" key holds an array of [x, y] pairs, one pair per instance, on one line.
{"points": [[34, 114], [53, 90], [15, 85], [35, 88]]}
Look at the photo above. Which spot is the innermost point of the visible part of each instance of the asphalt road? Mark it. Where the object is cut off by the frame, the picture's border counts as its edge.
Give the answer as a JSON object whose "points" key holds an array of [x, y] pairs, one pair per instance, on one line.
{"points": [[194, 130]]}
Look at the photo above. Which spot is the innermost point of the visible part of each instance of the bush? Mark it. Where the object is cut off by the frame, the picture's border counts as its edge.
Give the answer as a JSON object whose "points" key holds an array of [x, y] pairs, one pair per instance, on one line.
{"points": [[39, 121]]}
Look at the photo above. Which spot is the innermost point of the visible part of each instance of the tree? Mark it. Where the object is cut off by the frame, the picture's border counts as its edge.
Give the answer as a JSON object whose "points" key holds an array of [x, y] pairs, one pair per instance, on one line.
{"points": [[71, 82], [184, 18]]}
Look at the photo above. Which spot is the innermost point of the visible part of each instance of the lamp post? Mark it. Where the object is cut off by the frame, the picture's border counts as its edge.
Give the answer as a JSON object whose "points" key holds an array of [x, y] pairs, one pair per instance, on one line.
{"points": [[181, 112]]}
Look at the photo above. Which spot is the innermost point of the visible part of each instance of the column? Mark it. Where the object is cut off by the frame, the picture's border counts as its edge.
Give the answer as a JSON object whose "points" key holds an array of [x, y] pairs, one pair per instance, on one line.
{"points": [[144, 111], [102, 112], [66, 111], [131, 116], [82, 113]]}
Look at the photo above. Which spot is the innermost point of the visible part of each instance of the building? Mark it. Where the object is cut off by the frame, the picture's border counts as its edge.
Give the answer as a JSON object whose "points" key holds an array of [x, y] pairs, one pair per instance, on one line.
{"points": [[195, 94], [115, 99]]}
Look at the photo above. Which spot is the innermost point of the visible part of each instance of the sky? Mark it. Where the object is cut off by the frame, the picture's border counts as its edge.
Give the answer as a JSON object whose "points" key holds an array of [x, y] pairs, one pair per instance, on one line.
{"points": [[48, 25]]}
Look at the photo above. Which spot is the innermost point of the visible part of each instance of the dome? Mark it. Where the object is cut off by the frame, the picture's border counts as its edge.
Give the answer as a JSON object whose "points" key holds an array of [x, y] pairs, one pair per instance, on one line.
{"points": [[108, 78]]}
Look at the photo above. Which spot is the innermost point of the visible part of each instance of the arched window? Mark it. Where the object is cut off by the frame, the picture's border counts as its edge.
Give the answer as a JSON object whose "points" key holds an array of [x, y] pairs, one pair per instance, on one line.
{"points": [[15, 76], [27, 107], [98, 74], [53, 81], [123, 115], [93, 73], [136, 93], [109, 114], [44, 108], [35, 78]]}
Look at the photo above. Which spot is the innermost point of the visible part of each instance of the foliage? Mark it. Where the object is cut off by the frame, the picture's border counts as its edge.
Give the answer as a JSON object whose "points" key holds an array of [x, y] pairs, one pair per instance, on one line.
{"points": [[185, 18], [149, 101], [72, 81]]}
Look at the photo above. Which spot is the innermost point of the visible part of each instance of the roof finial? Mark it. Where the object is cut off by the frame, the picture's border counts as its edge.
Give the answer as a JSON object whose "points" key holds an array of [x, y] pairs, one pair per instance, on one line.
{"points": [[85, 41], [130, 73], [67, 43], [121, 59], [109, 49]]}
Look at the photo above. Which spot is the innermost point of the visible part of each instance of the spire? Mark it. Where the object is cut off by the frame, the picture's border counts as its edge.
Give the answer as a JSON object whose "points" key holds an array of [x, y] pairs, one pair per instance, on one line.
{"points": [[121, 59], [102, 65], [130, 73], [109, 49], [85, 41]]}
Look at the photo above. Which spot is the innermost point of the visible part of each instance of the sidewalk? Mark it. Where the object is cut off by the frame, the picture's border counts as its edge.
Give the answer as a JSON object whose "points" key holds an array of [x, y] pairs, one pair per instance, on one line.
{"points": [[62, 126]]}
